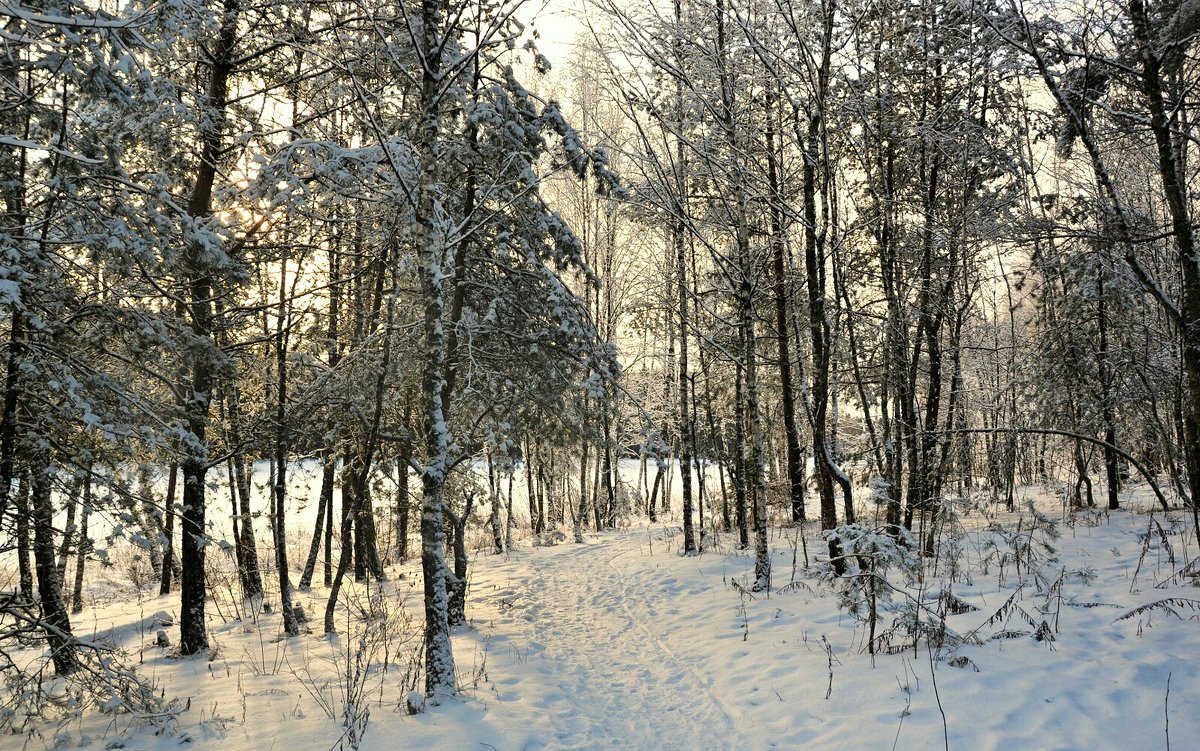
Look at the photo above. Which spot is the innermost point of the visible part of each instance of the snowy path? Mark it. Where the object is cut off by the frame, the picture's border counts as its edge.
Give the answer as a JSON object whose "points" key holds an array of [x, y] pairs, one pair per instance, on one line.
{"points": [[605, 679]]}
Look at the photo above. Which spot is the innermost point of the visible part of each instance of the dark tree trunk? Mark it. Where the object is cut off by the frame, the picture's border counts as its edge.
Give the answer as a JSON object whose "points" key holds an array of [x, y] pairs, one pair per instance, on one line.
{"points": [[494, 495], [581, 512], [508, 539], [741, 515], [544, 489], [12, 386], [795, 458], [324, 500], [290, 625], [1111, 469], [328, 555], [69, 528], [607, 470], [685, 418], [245, 544], [56, 622], [546, 496], [456, 585], [168, 572], [403, 499], [239, 553], [717, 445], [814, 263], [1082, 479], [370, 532], [193, 635], [24, 543], [536, 525], [365, 541], [344, 557], [82, 548], [658, 478]]}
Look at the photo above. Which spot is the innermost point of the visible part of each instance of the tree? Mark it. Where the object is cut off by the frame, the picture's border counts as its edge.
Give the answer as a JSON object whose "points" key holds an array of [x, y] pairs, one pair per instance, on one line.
{"points": [[1112, 52]]}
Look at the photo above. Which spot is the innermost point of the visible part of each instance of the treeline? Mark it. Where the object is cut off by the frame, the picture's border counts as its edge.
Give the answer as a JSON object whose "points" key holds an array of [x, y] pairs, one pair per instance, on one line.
{"points": [[913, 250]]}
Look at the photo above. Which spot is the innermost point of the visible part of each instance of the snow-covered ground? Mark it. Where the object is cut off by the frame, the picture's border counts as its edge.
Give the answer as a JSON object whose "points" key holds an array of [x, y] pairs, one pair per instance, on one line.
{"points": [[621, 643]]}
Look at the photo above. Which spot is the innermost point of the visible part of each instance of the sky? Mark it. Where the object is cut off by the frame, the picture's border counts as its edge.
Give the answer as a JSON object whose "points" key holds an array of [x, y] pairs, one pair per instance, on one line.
{"points": [[556, 24]]}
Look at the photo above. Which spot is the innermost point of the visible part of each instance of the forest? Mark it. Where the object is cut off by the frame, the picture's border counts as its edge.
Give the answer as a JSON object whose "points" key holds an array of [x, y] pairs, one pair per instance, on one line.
{"points": [[353, 340]]}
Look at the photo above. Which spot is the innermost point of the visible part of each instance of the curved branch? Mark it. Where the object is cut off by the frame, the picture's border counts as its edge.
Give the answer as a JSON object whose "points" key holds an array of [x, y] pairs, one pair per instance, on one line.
{"points": [[1162, 500]]}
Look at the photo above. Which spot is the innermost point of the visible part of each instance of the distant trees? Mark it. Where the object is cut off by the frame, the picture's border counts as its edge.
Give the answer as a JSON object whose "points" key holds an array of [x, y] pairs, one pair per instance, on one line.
{"points": [[867, 183], [841, 170]]}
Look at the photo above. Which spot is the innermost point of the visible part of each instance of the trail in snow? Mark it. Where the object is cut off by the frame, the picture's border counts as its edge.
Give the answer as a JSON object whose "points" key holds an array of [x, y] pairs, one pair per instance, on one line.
{"points": [[606, 679]]}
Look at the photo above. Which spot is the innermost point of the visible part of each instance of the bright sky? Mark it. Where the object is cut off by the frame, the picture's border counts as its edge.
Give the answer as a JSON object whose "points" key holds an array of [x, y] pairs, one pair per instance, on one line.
{"points": [[556, 26]]}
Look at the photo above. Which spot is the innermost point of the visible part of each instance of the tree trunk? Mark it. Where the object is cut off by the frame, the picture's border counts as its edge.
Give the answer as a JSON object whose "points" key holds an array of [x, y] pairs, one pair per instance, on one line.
{"points": [[1175, 192], [508, 505], [1111, 470], [82, 548], [658, 478], [814, 262], [24, 542], [757, 481], [440, 679], [456, 585], [12, 383], [403, 499], [740, 464], [324, 500], [168, 571], [581, 511], [685, 418], [607, 470], [545, 492], [494, 494], [290, 625], [54, 618], [69, 528], [246, 545], [535, 521], [546, 478], [795, 465], [193, 636], [344, 557]]}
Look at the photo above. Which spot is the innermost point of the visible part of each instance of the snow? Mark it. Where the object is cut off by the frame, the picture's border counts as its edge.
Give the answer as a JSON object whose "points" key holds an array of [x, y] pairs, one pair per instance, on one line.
{"points": [[623, 643]]}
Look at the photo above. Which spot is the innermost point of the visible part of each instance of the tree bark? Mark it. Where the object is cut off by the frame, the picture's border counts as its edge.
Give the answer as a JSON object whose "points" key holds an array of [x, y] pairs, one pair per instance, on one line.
{"points": [[456, 585], [56, 622], [685, 418], [24, 542], [291, 626], [795, 466], [324, 500], [193, 636], [82, 548], [403, 499], [168, 572], [440, 679]]}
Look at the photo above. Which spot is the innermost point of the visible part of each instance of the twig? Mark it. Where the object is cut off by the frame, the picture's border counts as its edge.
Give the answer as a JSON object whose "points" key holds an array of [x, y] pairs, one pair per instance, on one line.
{"points": [[904, 712], [1166, 711], [936, 695], [829, 657]]}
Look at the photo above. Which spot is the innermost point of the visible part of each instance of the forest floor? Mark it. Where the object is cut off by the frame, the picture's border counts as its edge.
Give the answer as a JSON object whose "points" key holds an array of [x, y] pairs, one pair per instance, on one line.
{"points": [[622, 643]]}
